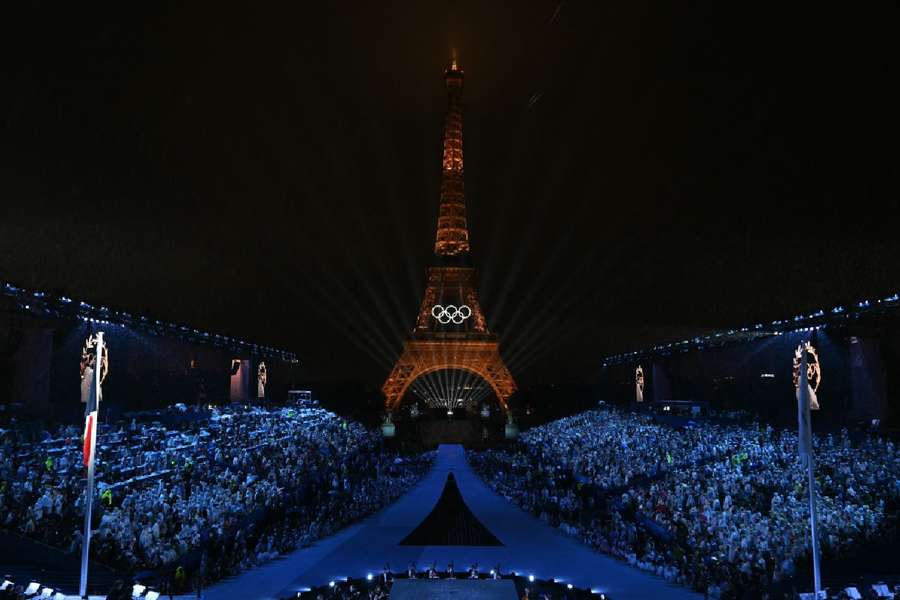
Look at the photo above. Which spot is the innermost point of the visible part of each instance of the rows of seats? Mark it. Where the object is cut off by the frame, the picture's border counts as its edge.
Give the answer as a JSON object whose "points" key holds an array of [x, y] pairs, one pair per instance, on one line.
{"points": [[721, 508], [206, 499]]}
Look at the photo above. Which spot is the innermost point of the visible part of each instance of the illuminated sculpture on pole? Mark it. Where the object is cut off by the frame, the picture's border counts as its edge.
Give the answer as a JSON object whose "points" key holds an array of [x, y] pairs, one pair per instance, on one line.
{"points": [[261, 381], [94, 368], [639, 383], [807, 376], [813, 372], [451, 332]]}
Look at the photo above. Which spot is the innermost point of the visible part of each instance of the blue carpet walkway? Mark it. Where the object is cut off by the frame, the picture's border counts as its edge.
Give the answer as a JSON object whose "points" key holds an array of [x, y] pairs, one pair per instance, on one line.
{"points": [[530, 546]]}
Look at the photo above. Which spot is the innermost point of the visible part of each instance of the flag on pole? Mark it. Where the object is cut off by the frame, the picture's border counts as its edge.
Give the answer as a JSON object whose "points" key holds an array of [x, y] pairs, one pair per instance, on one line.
{"points": [[93, 372], [90, 415], [88, 438], [803, 419]]}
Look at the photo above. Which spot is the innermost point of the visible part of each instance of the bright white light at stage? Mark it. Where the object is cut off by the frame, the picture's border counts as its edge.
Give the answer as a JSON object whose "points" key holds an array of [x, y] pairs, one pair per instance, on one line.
{"points": [[569, 586], [493, 573], [331, 584], [531, 578], [450, 390], [369, 576]]}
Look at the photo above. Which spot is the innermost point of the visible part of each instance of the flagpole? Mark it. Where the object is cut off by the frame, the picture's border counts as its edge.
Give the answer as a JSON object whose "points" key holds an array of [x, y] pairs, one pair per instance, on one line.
{"points": [[89, 491], [810, 471]]}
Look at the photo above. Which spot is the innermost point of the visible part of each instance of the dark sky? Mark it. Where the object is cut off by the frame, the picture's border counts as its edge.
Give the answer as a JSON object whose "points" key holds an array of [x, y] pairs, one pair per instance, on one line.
{"points": [[634, 172]]}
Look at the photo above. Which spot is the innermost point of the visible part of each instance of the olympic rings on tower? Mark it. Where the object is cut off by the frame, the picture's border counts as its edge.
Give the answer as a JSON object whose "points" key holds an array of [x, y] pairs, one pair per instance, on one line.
{"points": [[451, 313]]}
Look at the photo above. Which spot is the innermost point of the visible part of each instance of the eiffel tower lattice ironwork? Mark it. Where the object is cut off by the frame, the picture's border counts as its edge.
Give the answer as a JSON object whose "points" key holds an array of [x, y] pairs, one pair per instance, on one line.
{"points": [[450, 332]]}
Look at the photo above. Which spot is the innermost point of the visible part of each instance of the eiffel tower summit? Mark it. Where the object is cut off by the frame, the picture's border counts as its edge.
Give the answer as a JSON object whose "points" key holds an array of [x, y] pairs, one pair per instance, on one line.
{"points": [[450, 333]]}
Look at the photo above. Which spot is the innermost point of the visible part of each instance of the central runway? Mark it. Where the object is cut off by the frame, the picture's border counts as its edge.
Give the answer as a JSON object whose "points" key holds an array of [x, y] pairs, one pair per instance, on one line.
{"points": [[530, 546]]}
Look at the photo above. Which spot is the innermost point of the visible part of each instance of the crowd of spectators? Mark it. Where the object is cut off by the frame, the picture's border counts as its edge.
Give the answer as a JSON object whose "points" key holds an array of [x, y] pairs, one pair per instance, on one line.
{"points": [[721, 508], [214, 496]]}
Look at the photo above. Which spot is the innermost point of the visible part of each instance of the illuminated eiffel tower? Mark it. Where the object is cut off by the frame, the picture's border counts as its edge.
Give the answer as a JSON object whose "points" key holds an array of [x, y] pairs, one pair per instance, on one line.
{"points": [[450, 331]]}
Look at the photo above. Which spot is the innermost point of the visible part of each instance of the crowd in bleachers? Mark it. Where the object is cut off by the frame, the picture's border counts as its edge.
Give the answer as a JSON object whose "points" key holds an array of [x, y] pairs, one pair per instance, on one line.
{"points": [[723, 509], [212, 497]]}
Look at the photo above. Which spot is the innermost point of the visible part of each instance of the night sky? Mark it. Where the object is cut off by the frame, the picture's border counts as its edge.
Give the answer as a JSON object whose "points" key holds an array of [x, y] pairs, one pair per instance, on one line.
{"points": [[634, 173]]}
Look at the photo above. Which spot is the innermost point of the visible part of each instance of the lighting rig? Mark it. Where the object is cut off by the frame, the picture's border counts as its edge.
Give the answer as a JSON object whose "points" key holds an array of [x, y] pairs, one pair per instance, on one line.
{"points": [[834, 317], [43, 304]]}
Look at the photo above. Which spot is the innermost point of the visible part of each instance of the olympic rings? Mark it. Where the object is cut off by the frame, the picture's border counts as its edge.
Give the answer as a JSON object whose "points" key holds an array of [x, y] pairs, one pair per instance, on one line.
{"points": [[451, 313]]}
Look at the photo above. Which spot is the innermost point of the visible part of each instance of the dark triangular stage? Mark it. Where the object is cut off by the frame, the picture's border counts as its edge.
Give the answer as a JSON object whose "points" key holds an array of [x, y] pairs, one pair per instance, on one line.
{"points": [[451, 523]]}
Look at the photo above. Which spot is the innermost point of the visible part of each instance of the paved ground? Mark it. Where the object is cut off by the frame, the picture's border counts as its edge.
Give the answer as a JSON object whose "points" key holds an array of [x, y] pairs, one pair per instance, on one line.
{"points": [[453, 589], [23, 560], [529, 546]]}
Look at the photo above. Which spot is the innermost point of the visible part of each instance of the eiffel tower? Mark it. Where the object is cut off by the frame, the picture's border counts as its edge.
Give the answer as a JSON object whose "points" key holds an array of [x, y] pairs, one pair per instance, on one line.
{"points": [[450, 331]]}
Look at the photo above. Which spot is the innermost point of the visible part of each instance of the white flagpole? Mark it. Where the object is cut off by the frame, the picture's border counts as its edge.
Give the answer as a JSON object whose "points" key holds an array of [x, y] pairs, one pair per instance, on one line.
{"points": [[89, 492], [811, 480]]}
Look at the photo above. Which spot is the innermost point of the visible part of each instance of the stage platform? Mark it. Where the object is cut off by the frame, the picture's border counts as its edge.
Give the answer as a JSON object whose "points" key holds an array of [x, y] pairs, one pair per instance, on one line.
{"points": [[433, 433], [529, 546], [453, 589]]}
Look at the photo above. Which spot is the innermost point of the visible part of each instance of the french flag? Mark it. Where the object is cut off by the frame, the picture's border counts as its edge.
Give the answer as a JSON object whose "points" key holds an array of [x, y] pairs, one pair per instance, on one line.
{"points": [[89, 424], [90, 416]]}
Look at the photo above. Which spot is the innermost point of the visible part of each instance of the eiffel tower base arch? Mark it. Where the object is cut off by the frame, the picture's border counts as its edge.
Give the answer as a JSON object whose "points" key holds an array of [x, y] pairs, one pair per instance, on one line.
{"points": [[421, 357]]}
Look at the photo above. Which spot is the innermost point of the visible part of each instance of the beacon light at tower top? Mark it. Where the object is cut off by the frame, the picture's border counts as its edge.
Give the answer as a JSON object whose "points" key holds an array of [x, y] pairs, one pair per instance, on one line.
{"points": [[819, 319]]}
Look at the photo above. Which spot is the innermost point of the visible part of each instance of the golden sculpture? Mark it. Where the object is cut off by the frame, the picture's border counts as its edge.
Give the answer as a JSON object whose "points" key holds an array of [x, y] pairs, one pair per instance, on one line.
{"points": [[261, 378], [813, 372], [639, 383]]}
